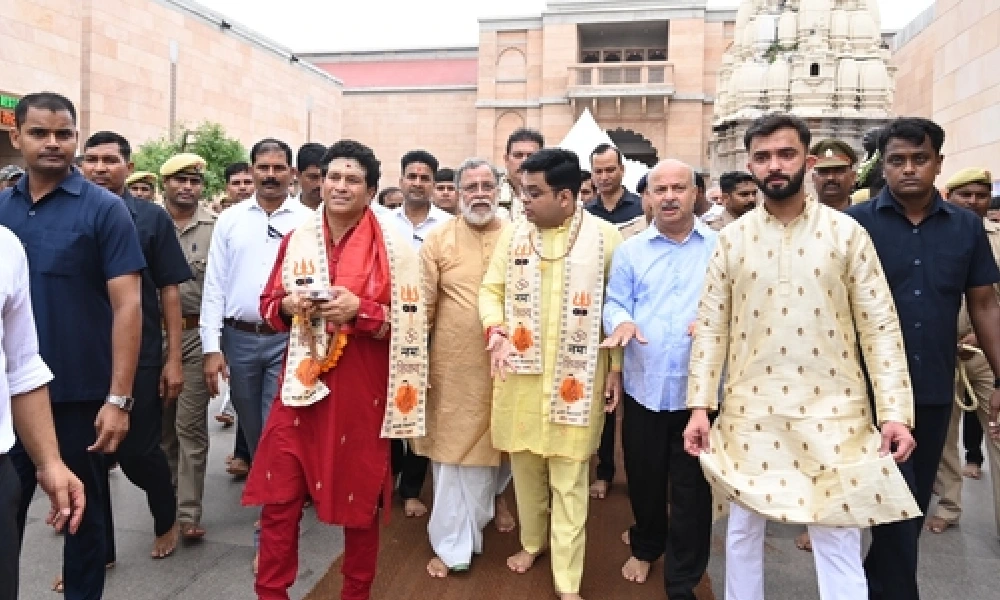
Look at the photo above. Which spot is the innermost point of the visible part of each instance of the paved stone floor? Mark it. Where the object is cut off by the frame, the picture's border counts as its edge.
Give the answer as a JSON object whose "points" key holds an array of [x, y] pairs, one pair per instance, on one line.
{"points": [[963, 562]]}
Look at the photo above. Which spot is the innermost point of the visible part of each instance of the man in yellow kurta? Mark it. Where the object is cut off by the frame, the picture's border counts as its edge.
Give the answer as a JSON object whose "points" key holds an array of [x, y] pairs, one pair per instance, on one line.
{"points": [[969, 188], [791, 289], [540, 303], [464, 464]]}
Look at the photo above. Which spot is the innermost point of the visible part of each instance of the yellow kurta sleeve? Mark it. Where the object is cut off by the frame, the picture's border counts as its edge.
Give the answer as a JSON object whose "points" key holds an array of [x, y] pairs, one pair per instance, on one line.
{"points": [[613, 239], [430, 253], [711, 335], [879, 332], [492, 291]]}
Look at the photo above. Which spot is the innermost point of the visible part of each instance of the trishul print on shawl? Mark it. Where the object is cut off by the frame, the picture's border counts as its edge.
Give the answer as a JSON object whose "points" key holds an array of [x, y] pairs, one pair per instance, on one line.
{"points": [[580, 299]]}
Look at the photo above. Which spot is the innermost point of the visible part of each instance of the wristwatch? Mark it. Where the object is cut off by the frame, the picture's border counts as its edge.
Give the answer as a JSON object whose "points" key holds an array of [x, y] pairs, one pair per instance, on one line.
{"points": [[123, 402]]}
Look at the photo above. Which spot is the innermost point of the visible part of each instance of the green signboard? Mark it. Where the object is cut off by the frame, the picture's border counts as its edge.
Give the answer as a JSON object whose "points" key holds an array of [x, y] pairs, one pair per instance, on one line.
{"points": [[7, 101]]}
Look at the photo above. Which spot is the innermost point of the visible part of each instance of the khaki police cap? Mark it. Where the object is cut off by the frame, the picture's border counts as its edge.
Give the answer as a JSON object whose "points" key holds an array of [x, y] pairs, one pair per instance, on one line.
{"points": [[146, 176], [967, 176], [833, 153], [185, 161]]}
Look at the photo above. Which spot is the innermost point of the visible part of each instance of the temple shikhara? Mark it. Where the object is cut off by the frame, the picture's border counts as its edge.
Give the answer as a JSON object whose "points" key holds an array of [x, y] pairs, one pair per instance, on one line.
{"points": [[823, 60]]}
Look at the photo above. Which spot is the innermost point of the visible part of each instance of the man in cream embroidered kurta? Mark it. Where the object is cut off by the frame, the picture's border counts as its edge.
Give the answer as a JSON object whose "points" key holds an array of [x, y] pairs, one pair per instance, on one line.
{"points": [[787, 305]]}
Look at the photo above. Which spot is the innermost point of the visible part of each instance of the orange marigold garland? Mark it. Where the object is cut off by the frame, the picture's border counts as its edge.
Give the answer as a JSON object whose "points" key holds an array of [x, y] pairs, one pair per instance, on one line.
{"points": [[311, 368]]}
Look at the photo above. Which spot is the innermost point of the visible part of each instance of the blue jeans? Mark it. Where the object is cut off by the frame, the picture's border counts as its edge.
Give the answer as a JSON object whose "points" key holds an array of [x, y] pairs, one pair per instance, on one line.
{"points": [[255, 362]]}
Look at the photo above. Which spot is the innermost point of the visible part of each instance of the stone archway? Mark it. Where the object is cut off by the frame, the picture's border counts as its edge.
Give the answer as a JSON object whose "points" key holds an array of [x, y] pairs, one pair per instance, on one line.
{"points": [[633, 145]]}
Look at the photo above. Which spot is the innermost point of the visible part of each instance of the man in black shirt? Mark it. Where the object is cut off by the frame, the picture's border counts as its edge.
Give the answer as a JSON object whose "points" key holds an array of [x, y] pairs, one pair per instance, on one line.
{"points": [[106, 163], [615, 204], [933, 254]]}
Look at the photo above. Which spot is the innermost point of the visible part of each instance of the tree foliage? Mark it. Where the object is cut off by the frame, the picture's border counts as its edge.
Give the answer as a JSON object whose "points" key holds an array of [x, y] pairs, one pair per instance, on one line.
{"points": [[208, 140]]}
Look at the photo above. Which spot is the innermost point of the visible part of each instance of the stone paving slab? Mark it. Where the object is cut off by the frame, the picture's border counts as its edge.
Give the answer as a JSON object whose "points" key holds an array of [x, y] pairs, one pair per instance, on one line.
{"points": [[963, 562]]}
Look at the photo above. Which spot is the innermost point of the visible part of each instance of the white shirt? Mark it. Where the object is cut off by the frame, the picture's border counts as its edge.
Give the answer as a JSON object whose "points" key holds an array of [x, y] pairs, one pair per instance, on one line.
{"points": [[25, 370], [712, 213], [244, 247], [380, 211], [418, 233]]}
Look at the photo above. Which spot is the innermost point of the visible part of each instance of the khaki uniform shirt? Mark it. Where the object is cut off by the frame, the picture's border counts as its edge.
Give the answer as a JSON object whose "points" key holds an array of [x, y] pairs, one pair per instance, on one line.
{"points": [[993, 235], [195, 238]]}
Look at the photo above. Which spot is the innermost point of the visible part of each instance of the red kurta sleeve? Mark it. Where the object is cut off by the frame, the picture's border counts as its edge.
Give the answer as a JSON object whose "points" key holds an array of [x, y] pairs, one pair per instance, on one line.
{"points": [[372, 318], [274, 292]]}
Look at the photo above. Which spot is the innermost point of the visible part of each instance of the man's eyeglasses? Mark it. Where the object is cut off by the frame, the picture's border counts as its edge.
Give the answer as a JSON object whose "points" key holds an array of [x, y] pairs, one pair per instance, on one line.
{"points": [[273, 233], [483, 186]]}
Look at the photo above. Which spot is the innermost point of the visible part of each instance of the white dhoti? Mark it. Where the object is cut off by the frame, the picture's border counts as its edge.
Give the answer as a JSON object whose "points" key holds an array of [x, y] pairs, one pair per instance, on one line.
{"points": [[836, 551], [463, 506], [503, 475]]}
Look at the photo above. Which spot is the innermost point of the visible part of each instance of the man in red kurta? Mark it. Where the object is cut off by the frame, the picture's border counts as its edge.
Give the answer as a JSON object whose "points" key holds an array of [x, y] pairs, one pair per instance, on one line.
{"points": [[329, 450]]}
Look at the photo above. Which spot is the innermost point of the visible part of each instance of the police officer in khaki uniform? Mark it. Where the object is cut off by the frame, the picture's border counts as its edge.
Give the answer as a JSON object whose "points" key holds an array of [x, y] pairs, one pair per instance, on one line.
{"points": [[969, 188], [834, 175], [185, 424]]}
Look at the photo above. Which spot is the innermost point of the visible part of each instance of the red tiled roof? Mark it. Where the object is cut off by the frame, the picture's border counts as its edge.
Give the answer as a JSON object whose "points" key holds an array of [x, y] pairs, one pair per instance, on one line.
{"points": [[405, 73]]}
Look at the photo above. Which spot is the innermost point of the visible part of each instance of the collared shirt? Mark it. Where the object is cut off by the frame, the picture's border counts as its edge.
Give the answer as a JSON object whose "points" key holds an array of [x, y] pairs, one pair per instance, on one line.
{"points": [[929, 267], [195, 240], [243, 249], [77, 238], [24, 368], [165, 265], [655, 283], [629, 207], [417, 233]]}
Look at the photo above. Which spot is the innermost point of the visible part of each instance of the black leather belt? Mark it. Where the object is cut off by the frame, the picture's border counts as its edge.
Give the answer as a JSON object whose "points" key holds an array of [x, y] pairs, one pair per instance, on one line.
{"points": [[258, 328]]}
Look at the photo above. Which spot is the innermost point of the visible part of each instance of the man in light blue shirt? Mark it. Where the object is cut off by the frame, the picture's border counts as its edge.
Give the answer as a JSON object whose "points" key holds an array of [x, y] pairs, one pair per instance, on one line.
{"points": [[650, 308]]}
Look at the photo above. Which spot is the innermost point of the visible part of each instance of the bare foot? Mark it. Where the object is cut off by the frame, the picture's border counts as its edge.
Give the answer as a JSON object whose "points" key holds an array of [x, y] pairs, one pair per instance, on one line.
{"points": [[437, 569], [503, 519], [599, 489], [937, 525], [413, 507], [626, 538], [165, 545], [635, 570], [972, 471], [802, 542], [522, 561]]}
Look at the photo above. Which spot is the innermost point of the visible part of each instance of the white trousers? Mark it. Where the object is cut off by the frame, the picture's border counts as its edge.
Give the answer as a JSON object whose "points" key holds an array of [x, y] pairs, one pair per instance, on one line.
{"points": [[463, 506], [836, 551]]}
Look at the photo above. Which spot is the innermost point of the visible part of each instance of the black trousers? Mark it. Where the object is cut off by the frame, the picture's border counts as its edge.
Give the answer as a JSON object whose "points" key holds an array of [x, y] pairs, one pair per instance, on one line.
{"points": [[10, 498], [83, 552], [655, 458], [411, 468], [606, 451], [972, 439], [891, 564], [141, 458]]}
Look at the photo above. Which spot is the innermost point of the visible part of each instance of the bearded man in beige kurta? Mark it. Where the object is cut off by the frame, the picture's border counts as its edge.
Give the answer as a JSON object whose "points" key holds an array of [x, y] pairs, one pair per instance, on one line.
{"points": [[464, 464], [791, 290]]}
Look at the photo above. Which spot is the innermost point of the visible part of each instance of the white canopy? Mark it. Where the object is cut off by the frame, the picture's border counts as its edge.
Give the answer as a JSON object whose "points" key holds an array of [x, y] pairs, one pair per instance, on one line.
{"points": [[585, 135]]}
